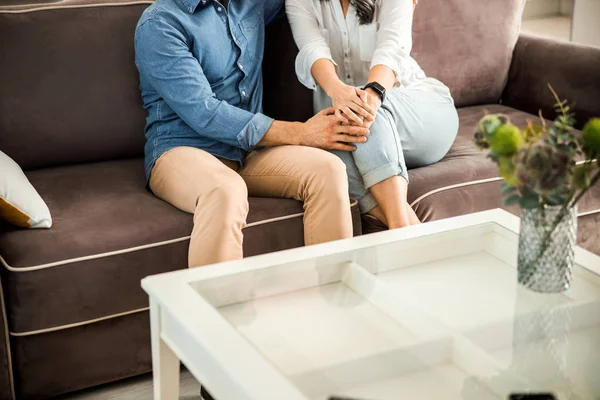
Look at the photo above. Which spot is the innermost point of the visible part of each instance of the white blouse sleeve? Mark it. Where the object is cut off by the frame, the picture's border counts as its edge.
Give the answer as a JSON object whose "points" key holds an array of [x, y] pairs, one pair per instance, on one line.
{"points": [[394, 40], [309, 39]]}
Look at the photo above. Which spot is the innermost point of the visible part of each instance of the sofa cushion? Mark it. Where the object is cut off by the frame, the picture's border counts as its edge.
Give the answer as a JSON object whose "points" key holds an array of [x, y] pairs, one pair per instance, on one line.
{"points": [[468, 45], [68, 85], [109, 232], [466, 181]]}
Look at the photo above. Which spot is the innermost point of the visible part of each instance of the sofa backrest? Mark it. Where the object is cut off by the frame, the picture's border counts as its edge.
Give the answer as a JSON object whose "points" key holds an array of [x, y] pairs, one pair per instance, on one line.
{"points": [[68, 83], [69, 87], [468, 45]]}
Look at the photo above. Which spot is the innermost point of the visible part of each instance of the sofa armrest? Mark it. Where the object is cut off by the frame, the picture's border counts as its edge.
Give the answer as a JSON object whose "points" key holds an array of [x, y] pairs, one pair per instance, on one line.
{"points": [[572, 69]]}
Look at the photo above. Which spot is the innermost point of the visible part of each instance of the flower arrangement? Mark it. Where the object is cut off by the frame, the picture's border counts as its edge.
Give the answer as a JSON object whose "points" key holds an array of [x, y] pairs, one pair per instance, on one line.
{"points": [[542, 175], [538, 163]]}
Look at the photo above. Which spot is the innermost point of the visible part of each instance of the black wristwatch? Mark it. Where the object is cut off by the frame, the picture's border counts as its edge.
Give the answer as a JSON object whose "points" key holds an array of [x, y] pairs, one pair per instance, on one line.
{"points": [[377, 88]]}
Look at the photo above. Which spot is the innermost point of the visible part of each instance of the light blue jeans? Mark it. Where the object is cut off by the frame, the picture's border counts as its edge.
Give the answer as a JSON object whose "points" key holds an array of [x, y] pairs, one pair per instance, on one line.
{"points": [[414, 127]]}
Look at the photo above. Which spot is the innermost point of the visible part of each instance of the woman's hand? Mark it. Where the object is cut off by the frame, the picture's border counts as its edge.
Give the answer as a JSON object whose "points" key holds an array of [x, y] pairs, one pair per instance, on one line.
{"points": [[349, 107], [373, 99]]}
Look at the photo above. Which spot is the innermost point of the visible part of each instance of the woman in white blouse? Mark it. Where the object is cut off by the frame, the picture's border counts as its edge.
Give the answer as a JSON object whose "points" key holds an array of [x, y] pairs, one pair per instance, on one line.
{"points": [[355, 54]]}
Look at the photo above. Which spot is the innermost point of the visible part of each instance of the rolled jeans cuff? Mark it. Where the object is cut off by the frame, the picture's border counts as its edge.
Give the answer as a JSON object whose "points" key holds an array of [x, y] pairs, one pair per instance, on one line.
{"points": [[382, 173]]}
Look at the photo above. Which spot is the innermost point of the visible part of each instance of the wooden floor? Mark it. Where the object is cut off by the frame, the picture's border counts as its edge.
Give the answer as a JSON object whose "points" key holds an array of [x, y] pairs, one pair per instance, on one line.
{"points": [[139, 388]]}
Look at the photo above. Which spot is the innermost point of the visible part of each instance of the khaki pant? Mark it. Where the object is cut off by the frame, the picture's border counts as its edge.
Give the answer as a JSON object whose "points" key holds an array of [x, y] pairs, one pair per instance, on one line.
{"points": [[216, 192]]}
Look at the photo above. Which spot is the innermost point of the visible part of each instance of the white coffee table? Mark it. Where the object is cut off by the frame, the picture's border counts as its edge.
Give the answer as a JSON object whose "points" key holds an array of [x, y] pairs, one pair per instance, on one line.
{"points": [[426, 312]]}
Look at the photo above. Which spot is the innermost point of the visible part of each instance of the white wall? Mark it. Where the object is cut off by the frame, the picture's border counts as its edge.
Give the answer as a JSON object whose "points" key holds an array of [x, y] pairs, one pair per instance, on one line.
{"points": [[541, 8], [546, 8], [586, 28], [566, 7]]}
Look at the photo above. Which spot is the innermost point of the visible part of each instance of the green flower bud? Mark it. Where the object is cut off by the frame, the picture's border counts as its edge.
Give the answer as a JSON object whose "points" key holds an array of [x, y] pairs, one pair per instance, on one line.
{"points": [[488, 124], [506, 169], [591, 135], [506, 140]]}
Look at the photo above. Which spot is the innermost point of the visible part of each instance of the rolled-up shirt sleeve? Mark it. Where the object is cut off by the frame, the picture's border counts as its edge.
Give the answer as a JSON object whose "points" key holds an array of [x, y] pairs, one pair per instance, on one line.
{"points": [[309, 37], [394, 40], [164, 57]]}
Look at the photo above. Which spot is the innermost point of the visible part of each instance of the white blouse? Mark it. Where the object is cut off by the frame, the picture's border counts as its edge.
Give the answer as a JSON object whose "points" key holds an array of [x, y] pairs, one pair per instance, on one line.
{"points": [[321, 31]]}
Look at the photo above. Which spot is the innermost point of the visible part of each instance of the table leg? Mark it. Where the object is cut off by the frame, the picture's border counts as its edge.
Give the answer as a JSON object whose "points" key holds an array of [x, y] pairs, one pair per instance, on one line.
{"points": [[165, 364]]}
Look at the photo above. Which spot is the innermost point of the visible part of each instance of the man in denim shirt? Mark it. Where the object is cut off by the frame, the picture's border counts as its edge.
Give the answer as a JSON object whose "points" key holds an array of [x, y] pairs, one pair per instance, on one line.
{"points": [[201, 80]]}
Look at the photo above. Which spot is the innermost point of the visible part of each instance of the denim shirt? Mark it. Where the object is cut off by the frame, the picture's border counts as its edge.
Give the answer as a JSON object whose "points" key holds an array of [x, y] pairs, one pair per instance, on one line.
{"points": [[201, 77]]}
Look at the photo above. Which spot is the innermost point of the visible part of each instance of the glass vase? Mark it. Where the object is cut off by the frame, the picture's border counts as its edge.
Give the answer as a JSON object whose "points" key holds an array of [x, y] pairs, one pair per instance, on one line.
{"points": [[547, 248]]}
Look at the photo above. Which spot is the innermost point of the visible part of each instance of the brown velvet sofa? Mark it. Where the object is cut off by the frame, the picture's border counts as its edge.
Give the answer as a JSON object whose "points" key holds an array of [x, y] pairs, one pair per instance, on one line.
{"points": [[73, 314]]}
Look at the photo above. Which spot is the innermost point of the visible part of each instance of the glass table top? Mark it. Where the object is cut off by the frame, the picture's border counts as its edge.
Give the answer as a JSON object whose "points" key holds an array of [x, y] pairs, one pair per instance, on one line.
{"points": [[435, 317]]}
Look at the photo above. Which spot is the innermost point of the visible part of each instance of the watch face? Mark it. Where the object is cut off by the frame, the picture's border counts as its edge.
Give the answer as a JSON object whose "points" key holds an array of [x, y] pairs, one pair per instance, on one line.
{"points": [[378, 87]]}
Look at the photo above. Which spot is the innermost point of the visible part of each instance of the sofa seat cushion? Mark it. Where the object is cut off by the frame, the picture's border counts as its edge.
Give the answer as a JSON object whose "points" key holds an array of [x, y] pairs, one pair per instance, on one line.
{"points": [[466, 181], [109, 232]]}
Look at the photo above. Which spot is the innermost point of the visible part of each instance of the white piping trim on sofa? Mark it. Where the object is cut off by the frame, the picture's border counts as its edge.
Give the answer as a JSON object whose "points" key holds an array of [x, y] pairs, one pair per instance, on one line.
{"points": [[132, 249], [7, 344], [137, 248], [455, 186], [107, 317], [92, 257], [277, 219], [76, 324], [87, 322], [584, 214], [70, 6], [464, 184], [139, 310]]}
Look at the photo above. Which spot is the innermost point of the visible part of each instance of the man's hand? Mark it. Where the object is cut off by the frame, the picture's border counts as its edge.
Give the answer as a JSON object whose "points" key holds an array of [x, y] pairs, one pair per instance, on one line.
{"points": [[325, 131], [349, 107]]}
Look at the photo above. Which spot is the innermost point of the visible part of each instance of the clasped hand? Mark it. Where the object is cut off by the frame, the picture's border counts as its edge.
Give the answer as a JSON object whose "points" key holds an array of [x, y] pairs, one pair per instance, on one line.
{"points": [[354, 106], [344, 125]]}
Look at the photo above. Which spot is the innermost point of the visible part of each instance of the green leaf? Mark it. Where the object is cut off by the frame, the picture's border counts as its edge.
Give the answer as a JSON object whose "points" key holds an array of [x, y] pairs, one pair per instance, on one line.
{"points": [[555, 200], [530, 201], [514, 199], [507, 189]]}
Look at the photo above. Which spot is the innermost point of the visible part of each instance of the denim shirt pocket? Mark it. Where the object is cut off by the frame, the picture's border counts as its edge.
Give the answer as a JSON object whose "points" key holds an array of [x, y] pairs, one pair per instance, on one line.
{"points": [[253, 30], [368, 40]]}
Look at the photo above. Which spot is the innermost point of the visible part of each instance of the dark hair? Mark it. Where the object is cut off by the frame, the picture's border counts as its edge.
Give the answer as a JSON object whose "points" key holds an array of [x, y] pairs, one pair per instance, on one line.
{"points": [[365, 9]]}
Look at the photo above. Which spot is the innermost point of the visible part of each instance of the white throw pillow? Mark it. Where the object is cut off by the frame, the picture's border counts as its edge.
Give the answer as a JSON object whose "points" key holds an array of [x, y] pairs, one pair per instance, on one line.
{"points": [[20, 204]]}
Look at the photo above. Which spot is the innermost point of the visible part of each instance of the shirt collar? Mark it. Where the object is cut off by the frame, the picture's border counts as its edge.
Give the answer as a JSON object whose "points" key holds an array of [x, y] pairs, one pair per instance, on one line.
{"points": [[191, 5]]}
